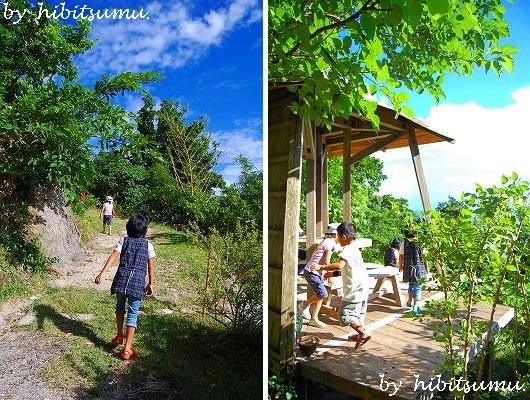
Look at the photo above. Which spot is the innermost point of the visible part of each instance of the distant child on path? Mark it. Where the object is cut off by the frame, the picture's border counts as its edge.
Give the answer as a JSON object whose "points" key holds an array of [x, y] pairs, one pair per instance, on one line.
{"points": [[413, 268], [355, 283], [136, 261], [322, 255], [392, 254], [107, 212]]}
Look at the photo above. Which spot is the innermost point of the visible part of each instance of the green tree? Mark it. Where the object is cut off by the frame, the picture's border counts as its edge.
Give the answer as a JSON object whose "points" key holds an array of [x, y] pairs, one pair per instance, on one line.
{"points": [[188, 148], [334, 54], [46, 116]]}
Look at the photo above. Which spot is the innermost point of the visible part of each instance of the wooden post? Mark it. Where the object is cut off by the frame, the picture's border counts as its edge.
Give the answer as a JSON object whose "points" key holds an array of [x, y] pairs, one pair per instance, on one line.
{"points": [[310, 222], [346, 183], [324, 191], [290, 248], [318, 183], [418, 168]]}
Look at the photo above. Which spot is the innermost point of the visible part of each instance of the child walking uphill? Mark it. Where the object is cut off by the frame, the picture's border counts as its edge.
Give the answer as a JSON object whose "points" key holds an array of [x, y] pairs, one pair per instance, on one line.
{"points": [[322, 255], [107, 212], [355, 283], [414, 269], [136, 261]]}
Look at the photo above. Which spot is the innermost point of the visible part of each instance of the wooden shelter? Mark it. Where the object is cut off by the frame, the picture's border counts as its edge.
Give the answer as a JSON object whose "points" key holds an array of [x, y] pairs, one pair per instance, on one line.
{"points": [[289, 140]]}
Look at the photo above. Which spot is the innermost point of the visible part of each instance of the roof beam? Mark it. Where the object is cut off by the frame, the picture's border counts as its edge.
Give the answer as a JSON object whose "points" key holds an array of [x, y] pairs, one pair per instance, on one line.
{"points": [[375, 147]]}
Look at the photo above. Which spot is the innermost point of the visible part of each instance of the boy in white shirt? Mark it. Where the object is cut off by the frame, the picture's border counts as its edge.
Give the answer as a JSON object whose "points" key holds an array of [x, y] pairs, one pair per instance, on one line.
{"points": [[355, 283]]}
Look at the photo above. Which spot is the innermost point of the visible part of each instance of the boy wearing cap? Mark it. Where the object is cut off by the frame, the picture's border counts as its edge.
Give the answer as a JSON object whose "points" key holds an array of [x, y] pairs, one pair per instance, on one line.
{"points": [[107, 212], [322, 255]]}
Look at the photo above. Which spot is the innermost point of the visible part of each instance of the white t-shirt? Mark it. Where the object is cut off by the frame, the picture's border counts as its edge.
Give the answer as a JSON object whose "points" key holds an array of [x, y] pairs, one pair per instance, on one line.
{"points": [[317, 257], [354, 275], [150, 248]]}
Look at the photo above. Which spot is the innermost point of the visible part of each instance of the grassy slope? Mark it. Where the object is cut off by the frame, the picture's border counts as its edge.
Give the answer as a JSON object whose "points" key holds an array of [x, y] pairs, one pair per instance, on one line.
{"points": [[189, 354]]}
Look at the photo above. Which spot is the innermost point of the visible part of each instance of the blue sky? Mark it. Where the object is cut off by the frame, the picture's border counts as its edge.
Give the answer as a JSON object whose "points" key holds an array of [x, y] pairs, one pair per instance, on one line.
{"points": [[487, 117], [210, 53]]}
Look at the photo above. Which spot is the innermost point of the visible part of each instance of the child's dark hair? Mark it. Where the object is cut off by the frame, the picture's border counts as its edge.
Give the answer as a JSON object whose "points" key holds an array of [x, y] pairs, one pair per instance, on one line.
{"points": [[396, 243], [137, 225], [347, 229]]}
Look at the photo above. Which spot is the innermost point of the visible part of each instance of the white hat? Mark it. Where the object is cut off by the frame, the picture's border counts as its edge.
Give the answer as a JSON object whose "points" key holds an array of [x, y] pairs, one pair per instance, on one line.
{"points": [[108, 198], [332, 228]]}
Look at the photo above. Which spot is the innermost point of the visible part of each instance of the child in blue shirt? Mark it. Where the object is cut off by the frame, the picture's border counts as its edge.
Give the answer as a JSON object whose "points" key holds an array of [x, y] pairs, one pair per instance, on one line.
{"points": [[136, 261]]}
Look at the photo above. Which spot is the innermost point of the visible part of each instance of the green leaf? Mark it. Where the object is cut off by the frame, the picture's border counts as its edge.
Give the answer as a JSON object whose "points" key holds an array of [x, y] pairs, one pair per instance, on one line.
{"points": [[438, 6], [511, 267], [509, 50]]}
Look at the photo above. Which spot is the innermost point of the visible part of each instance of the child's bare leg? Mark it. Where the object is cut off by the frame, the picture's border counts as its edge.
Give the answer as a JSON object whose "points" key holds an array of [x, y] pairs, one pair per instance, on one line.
{"points": [[130, 335], [103, 231], [409, 300], [316, 308], [120, 316], [110, 229]]}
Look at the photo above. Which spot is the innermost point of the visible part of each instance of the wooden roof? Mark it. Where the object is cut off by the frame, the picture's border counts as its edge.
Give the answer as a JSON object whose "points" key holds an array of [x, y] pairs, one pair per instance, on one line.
{"points": [[365, 140]]}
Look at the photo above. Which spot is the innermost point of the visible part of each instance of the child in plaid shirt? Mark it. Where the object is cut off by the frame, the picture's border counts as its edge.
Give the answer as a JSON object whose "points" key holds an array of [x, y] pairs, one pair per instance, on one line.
{"points": [[136, 261]]}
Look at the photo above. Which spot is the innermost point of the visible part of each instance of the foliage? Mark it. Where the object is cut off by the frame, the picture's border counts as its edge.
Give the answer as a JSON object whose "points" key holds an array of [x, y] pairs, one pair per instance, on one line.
{"points": [[46, 116], [281, 389], [117, 177], [480, 254], [336, 54], [451, 207], [189, 149], [20, 249], [241, 203], [231, 291]]}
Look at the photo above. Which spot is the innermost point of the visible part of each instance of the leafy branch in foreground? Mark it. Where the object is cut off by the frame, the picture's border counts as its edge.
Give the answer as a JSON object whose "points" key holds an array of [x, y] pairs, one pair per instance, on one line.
{"points": [[479, 250], [335, 55]]}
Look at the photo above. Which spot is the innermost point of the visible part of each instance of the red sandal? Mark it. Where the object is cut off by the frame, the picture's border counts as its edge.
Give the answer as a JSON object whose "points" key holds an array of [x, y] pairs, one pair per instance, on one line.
{"points": [[128, 354], [117, 340]]}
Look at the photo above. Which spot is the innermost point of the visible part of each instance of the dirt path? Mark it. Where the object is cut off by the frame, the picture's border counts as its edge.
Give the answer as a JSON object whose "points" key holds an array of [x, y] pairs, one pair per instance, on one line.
{"points": [[23, 353]]}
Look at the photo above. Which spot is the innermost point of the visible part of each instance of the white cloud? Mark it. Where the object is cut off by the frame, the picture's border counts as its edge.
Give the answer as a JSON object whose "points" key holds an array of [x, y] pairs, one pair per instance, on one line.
{"points": [[245, 139], [489, 142], [171, 37]]}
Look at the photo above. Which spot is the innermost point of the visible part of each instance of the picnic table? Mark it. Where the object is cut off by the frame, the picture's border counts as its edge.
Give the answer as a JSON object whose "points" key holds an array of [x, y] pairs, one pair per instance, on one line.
{"points": [[375, 271]]}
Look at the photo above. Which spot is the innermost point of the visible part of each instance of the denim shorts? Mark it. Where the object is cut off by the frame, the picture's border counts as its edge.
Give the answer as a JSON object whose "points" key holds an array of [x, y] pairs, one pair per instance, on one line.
{"points": [[415, 289], [316, 283], [107, 219], [132, 309]]}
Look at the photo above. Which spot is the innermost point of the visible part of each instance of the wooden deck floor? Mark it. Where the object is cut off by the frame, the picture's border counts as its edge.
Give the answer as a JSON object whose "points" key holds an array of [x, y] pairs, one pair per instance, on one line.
{"points": [[399, 349]]}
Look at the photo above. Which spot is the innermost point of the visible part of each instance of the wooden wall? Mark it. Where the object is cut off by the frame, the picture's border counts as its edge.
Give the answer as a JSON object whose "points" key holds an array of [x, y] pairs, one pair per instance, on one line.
{"points": [[285, 167]]}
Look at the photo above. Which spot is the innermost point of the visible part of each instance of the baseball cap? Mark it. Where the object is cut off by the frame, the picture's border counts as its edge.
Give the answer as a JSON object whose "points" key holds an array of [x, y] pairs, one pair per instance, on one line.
{"points": [[332, 228]]}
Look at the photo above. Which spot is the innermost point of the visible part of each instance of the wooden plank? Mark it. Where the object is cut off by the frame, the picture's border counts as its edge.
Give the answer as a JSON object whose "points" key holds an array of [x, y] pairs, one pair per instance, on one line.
{"points": [[278, 159], [346, 178], [325, 192], [310, 217], [319, 230], [309, 140], [375, 147], [290, 246], [418, 169]]}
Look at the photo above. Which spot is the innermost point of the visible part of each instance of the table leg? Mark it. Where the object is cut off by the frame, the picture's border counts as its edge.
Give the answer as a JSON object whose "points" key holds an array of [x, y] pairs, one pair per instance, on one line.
{"points": [[378, 285], [397, 293]]}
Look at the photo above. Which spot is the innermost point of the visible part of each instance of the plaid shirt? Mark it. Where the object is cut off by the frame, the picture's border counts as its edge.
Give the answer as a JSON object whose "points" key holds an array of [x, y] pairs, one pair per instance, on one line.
{"points": [[130, 277], [413, 268]]}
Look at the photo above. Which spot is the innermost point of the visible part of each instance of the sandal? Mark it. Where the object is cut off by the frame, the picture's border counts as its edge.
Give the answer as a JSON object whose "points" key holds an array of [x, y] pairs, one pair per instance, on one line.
{"points": [[353, 337], [362, 340], [117, 340], [128, 354]]}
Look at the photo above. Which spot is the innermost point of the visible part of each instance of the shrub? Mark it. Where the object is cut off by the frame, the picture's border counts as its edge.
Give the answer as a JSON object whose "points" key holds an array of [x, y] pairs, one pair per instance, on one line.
{"points": [[231, 288]]}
